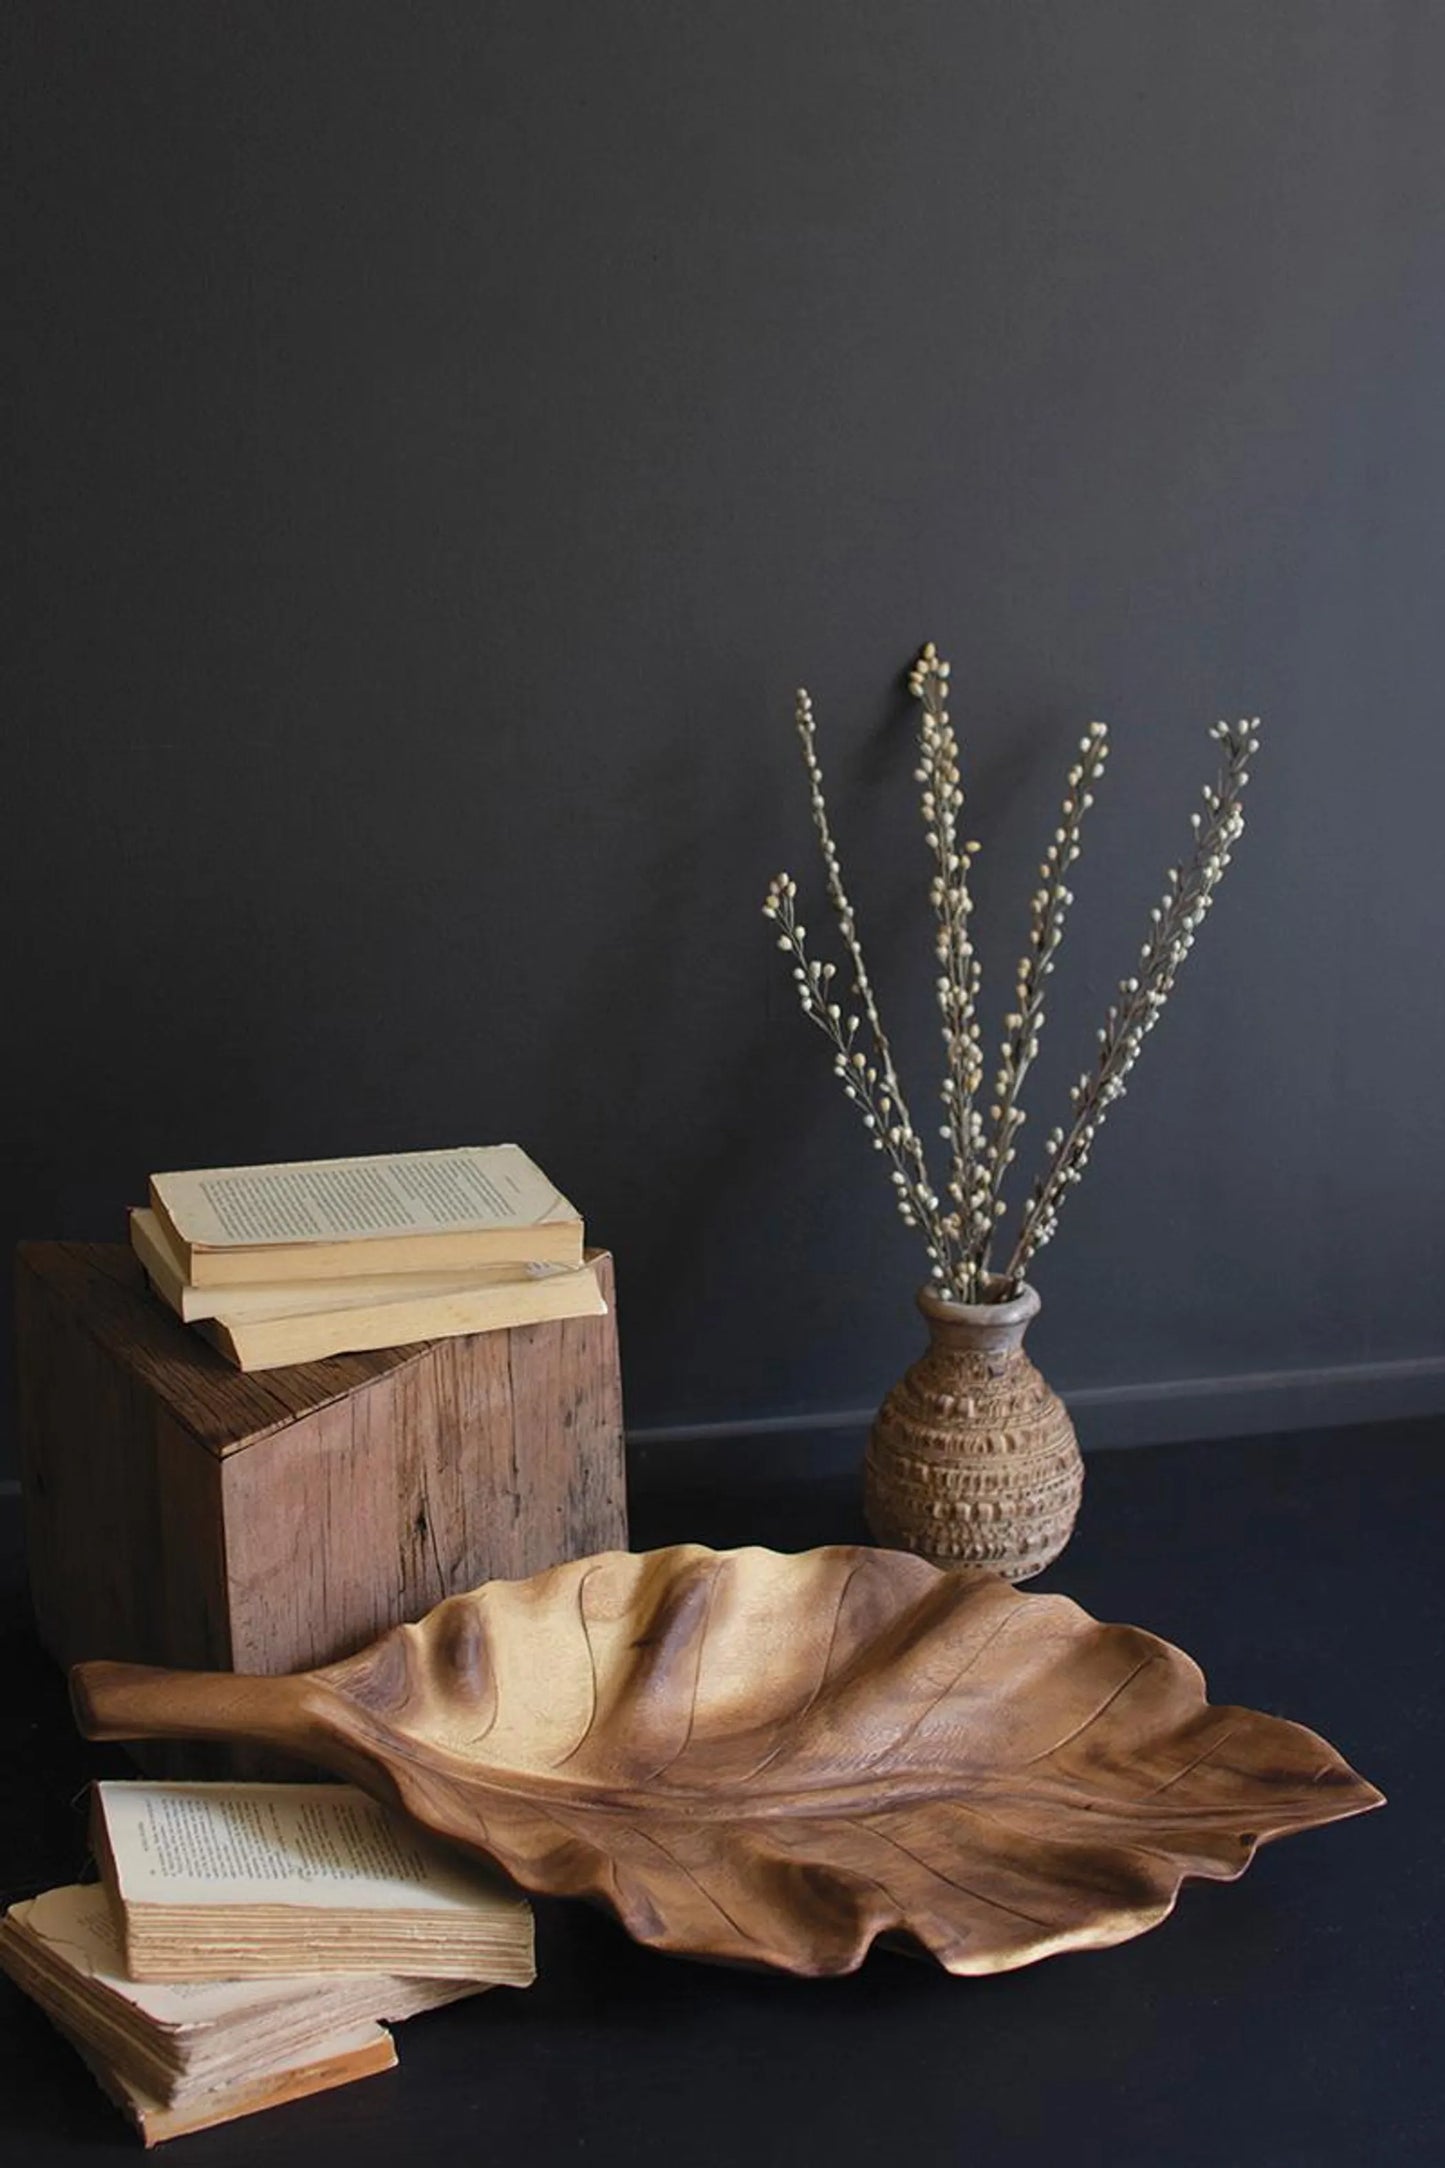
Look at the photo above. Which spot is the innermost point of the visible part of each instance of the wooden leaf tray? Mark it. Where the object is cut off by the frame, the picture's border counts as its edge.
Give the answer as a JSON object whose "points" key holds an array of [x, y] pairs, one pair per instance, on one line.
{"points": [[775, 1760]]}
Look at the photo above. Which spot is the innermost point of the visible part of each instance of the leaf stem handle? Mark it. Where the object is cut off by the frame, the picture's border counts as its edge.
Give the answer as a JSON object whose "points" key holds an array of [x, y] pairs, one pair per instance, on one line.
{"points": [[140, 1701]]}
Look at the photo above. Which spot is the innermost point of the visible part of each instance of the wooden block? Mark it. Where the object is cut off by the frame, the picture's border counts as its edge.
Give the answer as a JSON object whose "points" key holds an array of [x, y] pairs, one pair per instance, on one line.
{"points": [[179, 1511]]}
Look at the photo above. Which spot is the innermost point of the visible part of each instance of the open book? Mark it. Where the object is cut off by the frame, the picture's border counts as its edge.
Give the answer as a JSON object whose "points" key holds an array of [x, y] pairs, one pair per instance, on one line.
{"points": [[176, 2039], [326, 1219], [182, 2058], [247, 1881], [304, 1321], [268, 1300], [359, 2053]]}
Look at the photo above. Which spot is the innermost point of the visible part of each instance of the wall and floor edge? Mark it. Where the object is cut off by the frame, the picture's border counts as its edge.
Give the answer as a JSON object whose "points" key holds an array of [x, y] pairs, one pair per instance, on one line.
{"points": [[1166, 1411]]}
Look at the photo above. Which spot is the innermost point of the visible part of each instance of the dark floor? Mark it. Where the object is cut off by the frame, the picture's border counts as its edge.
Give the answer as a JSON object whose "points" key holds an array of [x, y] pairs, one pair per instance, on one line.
{"points": [[1293, 2018]]}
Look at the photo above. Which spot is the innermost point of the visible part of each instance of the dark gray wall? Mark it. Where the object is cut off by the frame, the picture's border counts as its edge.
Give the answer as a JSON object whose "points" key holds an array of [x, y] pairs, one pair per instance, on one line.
{"points": [[446, 433]]}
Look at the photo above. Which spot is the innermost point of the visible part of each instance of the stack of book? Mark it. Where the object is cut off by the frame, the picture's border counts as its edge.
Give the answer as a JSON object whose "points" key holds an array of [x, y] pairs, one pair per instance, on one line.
{"points": [[250, 1943], [289, 1264]]}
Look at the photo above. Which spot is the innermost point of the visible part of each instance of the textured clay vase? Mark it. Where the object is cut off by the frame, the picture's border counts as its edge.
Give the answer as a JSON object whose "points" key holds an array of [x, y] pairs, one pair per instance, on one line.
{"points": [[973, 1460]]}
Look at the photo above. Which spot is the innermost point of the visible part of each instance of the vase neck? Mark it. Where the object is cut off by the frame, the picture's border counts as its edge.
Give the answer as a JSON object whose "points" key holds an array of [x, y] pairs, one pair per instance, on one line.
{"points": [[979, 1328]]}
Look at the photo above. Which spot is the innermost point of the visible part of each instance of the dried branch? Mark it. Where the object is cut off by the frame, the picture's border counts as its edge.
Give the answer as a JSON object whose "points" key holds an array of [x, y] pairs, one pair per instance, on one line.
{"points": [[958, 1235], [848, 927], [959, 975], [1023, 1027], [1188, 895], [884, 1116]]}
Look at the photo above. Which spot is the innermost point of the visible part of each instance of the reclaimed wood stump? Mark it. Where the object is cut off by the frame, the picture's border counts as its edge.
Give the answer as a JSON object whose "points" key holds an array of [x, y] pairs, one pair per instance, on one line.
{"points": [[181, 1512]]}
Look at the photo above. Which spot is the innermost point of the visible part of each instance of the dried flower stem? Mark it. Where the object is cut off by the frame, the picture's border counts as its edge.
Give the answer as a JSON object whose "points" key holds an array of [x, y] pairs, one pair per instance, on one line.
{"points": [[1188, 895], [848, 927], [1023, 1026], [885, 1119], [959, 975], [959, 1235]]}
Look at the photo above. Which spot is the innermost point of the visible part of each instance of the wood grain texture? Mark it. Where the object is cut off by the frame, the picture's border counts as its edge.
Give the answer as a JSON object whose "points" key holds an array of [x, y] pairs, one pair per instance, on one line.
{"points": [[179, 1511], [498, 1454], [123, 1525], [776, 1760], [101, 1287], [973, 1460]]}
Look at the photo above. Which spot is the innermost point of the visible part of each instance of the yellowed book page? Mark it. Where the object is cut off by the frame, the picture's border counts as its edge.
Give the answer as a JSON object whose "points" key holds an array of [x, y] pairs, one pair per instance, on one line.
{"points": [[72, 1931], [476, 1304], [76, 1930], [289, 1298], [327, 1847], [361, 2052], [62, 1950], [263, 1343], [471, 1188]]}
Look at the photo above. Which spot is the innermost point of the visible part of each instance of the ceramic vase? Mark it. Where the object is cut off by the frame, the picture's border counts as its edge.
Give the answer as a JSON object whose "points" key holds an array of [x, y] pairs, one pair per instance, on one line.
{"points": [[972, 1459]]}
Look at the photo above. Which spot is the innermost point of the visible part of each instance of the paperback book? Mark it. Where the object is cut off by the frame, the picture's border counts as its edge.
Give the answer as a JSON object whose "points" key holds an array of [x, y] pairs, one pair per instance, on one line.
{"points": [[183, 2057], [322, 1219], [273, 1323], [290, 1264], [252, 1881]]}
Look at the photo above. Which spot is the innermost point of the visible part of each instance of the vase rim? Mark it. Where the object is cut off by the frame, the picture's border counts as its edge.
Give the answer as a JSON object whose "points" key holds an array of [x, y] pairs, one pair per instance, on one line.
{"points": [[1019, 1309]]}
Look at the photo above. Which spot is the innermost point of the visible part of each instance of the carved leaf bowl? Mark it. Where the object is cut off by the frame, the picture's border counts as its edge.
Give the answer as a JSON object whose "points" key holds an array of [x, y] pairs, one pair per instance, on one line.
{"points": [[768, 1759]]}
